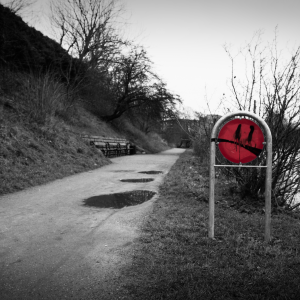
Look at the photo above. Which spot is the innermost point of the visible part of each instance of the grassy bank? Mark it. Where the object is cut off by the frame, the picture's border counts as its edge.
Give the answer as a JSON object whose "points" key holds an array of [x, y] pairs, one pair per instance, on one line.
{"points": [[174, 258], [33, 153]]}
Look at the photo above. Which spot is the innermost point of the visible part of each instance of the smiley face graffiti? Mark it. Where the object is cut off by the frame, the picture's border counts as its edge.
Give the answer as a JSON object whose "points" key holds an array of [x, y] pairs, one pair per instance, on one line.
{"points": [[240, 140]]}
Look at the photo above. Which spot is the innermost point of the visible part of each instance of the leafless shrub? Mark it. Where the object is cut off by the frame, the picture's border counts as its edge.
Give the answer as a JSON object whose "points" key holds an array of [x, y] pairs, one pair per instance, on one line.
{"points": [[270, 87]]}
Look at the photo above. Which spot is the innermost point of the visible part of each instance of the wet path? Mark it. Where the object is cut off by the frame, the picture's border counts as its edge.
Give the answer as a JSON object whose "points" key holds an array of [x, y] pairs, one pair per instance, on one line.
{"points": [[55, 245]]}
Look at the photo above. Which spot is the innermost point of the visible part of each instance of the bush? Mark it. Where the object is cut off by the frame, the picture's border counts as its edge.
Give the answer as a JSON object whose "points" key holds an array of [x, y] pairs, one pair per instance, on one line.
{"points": [[201, 147]]}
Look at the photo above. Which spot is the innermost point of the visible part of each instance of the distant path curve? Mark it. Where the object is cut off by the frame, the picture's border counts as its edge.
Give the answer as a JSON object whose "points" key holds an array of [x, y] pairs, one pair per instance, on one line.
{"points": [[53, 247]]}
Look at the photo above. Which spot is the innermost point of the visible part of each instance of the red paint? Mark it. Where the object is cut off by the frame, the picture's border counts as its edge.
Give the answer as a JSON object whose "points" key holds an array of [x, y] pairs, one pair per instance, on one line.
{"points": [[242, 143]]}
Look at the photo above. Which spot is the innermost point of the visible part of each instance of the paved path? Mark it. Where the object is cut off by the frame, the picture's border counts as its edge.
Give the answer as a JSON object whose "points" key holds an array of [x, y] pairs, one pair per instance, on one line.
{"points": [[54, 247]]}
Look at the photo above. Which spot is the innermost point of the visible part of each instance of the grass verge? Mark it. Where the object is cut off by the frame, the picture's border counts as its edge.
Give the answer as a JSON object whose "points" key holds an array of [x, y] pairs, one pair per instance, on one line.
{"points": [[174, 259]]}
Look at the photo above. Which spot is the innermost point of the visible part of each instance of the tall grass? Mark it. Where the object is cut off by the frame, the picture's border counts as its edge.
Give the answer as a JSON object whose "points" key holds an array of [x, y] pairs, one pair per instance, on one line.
{"points": [[44, 96], [37, 97]]}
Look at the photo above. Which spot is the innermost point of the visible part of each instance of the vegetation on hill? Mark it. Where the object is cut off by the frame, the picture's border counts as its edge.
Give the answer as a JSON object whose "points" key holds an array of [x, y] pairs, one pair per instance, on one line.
{"points": [[49, 96]]}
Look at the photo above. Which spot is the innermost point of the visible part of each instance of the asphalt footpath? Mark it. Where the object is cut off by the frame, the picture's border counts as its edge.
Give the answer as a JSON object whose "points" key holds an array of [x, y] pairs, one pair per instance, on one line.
{"points": [[68, 239]]}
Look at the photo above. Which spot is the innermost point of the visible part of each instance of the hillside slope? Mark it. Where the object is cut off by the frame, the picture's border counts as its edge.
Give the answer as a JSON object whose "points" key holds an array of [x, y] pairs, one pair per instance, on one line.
{"points": [[42, 118], [26, 49], [31, 154]]}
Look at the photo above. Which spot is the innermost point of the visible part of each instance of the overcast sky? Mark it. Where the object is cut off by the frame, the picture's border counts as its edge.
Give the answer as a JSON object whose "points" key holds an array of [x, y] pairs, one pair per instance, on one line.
{"points": [[185, 38]]}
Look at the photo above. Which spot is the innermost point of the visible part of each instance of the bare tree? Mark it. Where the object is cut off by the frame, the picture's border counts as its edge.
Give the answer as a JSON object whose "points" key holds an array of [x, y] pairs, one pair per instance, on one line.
{"points": [[88, 31], [247, 85], [86, 28], [149, 116], [271, 88], [134, 84]]}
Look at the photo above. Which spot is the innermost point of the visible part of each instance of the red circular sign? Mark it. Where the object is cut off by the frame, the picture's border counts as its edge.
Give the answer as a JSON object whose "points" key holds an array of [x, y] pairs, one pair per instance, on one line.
{"points": [[240, 140]]}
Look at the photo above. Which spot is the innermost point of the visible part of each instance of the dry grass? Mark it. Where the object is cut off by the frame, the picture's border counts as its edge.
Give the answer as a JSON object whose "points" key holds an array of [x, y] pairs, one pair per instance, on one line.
{"points": [[174, 258], [37, 97], [40, 126], [40, 133], [31, 155]]}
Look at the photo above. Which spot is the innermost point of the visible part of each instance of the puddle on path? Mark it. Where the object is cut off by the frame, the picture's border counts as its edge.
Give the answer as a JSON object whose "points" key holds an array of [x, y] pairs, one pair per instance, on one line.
{"points": [[119, 200], [137, 180], [151, 172], [119, 171]]}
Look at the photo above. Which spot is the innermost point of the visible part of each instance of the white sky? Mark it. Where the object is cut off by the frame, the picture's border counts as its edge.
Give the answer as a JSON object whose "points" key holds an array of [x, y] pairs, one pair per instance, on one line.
{"points": [[185, 38]]}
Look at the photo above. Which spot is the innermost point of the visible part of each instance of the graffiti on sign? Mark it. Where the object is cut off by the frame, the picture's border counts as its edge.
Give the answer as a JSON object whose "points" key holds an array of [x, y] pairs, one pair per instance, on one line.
{"points": [[240, 140]]}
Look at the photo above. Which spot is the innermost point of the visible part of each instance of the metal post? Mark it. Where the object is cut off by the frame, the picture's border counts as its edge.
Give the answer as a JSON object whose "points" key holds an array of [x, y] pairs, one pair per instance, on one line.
{"points": [[268, 182], [211, 226], [268, 189]]}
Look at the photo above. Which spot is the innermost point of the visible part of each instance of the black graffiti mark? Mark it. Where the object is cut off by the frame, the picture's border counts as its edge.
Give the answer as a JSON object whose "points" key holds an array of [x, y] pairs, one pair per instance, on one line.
{"points": [[249, 139], [237, 134], [253, 150]]}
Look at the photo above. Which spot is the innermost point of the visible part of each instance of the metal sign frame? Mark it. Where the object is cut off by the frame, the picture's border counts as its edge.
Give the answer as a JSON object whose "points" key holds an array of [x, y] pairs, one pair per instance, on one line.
{"points": [[268, 181]]}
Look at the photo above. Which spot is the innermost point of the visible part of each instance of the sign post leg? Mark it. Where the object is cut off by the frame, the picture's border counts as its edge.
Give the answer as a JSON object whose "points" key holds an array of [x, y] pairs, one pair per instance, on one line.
{"points": [[268, 188], [211, 221]]}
